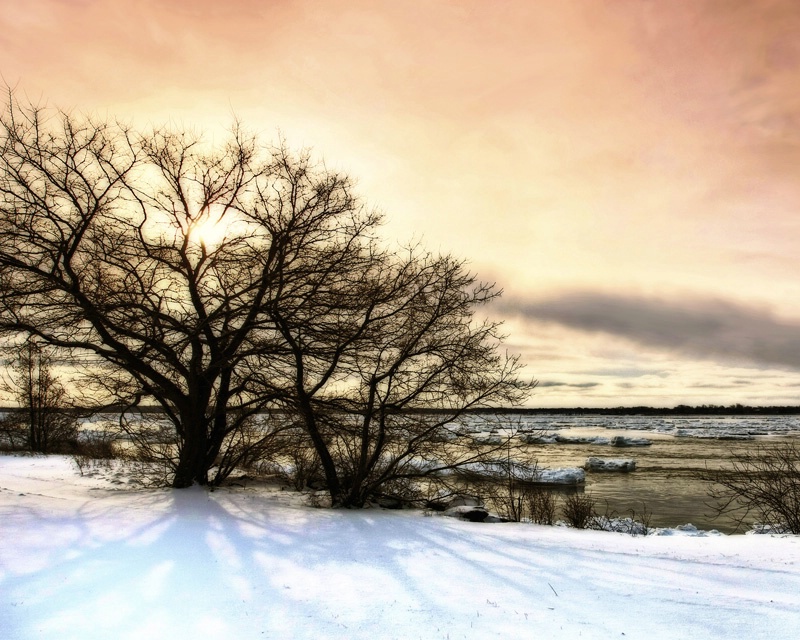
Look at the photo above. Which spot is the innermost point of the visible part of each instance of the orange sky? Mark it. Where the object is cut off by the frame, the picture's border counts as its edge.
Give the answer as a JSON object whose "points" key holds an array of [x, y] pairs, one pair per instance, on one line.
{"points": [[627, 170]]}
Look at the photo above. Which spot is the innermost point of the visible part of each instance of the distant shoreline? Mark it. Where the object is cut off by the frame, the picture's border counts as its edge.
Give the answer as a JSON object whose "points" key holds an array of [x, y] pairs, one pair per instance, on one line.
{"points": [[680, 410]]}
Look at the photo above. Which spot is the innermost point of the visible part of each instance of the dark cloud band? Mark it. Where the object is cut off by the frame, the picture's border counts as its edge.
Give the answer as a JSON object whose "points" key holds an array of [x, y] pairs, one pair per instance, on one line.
{"points": [[704, 327]]}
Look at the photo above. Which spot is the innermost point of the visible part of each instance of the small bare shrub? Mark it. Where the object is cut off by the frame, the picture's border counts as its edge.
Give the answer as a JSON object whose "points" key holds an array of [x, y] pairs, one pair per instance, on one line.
{"points": [[518, 501], [764, 484], [253, 446], [506, 483], [643, 519], [13, 434], [100, 446], [148, 472], [578, 510], [43, 415], [307, 469], [541, 505], [508, 500], [95, 450]]}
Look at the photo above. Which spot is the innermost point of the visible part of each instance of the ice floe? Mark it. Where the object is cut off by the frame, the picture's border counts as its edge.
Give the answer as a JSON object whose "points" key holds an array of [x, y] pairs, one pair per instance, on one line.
{"points": [[557, 438], [610, 464]]}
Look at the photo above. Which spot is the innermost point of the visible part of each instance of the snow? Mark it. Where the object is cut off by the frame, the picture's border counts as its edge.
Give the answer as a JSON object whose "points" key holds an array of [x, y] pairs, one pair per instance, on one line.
{"points": [[83, 558]]}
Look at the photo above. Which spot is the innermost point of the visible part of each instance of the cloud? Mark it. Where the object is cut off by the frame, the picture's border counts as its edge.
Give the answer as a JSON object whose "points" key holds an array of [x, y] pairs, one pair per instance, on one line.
{"points": [[571, 385], [717, 329]]}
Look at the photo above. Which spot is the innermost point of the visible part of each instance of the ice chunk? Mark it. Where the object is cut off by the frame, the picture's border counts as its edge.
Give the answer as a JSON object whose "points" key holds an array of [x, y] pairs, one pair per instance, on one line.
{"points": [[624, 441], [610, 464], [538, 438], [567, 476]]}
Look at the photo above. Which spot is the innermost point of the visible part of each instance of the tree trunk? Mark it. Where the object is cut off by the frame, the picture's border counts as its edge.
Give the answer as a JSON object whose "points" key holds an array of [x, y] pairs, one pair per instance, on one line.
{"points": [[328, 465], [192, 468], [193, 463]]}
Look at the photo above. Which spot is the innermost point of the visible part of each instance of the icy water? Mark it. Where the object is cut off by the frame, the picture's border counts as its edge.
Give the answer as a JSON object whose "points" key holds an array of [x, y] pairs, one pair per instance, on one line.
{"points": [[665, 477], [665, 480]]}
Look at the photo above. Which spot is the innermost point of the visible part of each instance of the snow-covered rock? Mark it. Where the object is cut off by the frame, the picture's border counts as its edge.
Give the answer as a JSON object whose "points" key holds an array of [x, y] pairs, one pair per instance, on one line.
{"points": [[684, 530], [467, 512], [620, 525], [463, 501], [760, 529], [610, 464], [448, 502]]}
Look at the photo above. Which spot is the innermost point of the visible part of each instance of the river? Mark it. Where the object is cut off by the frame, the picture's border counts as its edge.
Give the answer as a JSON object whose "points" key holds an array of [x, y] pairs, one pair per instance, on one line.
{"points": [[665, 481]]}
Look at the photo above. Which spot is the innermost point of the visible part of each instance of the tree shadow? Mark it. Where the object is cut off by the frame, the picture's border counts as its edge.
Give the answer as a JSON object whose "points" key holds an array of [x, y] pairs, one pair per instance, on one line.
{"points": [[243, 564]]}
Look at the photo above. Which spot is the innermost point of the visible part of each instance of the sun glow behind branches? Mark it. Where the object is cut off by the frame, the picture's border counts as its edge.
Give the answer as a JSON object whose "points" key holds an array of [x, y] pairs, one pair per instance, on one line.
{"points": [[210, 232], [212, 228]]}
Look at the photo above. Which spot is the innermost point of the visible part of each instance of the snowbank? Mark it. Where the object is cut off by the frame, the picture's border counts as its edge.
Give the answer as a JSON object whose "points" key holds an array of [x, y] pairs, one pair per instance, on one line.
{"points": [[81, 560]]}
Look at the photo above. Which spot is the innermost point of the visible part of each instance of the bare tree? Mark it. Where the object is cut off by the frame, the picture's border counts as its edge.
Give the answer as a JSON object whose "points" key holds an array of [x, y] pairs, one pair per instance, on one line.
{"points": [[764, 483], [102, 253], [294, 305], [388, 358], [43, 418]]}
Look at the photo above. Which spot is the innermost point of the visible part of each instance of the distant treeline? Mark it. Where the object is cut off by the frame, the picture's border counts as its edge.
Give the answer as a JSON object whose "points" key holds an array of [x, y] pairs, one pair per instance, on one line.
{"points": [[681, 410]]}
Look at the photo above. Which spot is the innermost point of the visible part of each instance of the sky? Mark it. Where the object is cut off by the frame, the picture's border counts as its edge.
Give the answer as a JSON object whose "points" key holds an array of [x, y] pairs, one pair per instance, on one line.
{"points": [[625, 170]]}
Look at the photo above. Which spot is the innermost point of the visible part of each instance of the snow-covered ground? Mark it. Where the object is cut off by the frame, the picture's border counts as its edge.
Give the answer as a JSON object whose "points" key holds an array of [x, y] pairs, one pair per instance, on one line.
{"points": [[85, 558]]}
